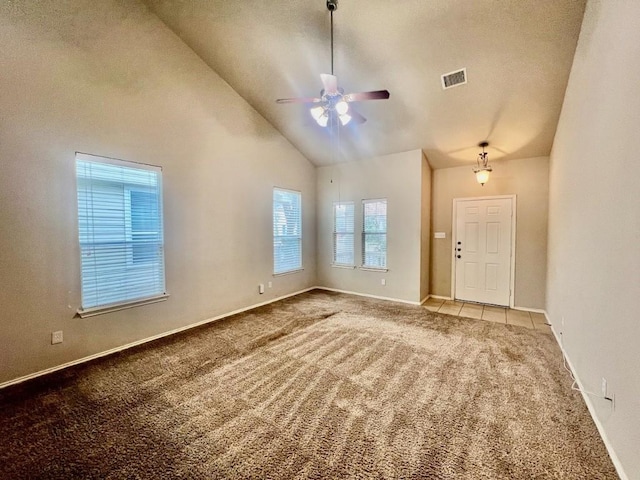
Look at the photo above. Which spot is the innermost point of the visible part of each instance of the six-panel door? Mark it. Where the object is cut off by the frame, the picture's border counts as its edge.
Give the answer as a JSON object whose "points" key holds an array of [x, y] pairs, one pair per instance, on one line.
{"points": [[483, 250]]}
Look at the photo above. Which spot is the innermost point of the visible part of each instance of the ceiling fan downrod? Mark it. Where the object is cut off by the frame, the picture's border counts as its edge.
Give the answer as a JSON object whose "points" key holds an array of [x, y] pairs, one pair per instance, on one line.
{"points": [[332, 6]]}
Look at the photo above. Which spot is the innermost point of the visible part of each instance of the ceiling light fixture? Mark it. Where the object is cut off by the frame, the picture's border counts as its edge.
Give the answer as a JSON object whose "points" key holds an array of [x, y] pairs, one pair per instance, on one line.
{"points": [[323, 113], [483, 168], [334, 106]]}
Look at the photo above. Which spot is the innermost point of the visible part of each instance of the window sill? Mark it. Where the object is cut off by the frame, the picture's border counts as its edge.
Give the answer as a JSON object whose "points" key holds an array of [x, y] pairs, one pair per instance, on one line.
{"points": [[373, 269], [92, 312], [288, 272], [339, 265]]}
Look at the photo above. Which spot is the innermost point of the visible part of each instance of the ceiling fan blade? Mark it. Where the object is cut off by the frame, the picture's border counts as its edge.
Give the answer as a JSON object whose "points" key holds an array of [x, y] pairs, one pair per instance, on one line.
{"points": [[356, 117], [330, 83], [299, 100], [362, 96]]}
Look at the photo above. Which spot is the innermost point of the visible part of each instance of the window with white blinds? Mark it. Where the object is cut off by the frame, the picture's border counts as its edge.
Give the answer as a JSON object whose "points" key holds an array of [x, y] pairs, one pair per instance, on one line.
{"points": [[343, 233], [120, 231], [374, 233], [287, 230]]}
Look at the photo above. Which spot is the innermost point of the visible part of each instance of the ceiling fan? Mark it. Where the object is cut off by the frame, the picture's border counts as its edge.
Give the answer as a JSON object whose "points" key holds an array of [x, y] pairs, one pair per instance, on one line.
{"points": [[333, 104]]}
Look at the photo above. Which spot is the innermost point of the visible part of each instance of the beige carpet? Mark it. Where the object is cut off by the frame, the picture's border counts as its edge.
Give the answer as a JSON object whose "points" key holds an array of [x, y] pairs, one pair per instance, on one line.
{"points": [[322, 385]]}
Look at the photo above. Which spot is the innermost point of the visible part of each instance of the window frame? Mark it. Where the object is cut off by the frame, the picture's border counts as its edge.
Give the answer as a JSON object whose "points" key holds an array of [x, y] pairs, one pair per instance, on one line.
{"points": [[296, 236], [88, 308], [366, 233], [336, 233]]}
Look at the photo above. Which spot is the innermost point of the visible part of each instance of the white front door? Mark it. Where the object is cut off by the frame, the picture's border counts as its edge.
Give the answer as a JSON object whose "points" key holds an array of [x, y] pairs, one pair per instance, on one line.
{"points": [[482, 250]]}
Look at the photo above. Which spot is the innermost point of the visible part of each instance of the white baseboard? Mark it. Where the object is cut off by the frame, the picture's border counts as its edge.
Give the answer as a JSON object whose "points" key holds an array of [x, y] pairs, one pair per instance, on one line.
{"points": [[440, 297], [144, 340], [425, 299], [533, 310], [592, 411], [369, 296]]}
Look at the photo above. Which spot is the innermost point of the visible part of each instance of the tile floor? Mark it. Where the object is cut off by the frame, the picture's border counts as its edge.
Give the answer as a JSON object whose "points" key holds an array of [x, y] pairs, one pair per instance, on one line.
{"points": [[508, 316]]}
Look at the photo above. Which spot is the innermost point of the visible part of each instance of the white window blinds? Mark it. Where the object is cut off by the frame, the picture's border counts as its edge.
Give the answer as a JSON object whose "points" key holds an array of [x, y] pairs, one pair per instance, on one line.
{"points": [[343, 233], [120, 231], [374, 233], [287, 230]]}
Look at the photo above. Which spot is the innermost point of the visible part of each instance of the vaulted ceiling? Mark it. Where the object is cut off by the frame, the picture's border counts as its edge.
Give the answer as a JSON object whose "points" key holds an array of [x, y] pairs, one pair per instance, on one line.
{"points": [[518, 55]]}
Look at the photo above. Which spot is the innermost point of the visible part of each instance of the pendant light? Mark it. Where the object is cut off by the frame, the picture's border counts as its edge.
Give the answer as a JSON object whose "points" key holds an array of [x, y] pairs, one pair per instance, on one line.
{"points": [[483, 168]]}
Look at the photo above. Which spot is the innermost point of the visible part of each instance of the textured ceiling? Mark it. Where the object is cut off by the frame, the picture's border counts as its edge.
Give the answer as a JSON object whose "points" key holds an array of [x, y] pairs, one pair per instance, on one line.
{"points": [[518, 55]]}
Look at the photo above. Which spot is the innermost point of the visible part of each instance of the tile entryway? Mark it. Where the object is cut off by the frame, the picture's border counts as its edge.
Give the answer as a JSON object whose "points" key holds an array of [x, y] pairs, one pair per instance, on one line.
{"points": [[507, 316]]}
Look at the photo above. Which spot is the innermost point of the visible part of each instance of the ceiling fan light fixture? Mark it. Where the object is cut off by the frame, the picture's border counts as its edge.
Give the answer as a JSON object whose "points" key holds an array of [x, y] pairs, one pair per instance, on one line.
{"points": [[317, 112], [483, 169], [344, 119], [323, 120], [342, 107]]}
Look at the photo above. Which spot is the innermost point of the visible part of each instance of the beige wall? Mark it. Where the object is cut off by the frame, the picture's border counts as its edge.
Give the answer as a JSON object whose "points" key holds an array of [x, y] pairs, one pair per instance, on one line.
{"points": [[528, 180], [109, 78], [425, 230], [593, 287], [397, 178]]}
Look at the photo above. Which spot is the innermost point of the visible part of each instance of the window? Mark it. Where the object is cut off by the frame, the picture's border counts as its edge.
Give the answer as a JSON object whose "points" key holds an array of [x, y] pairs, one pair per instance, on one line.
{"points": [[343, 233], [287, 231], [120, 232], [374, 234]]}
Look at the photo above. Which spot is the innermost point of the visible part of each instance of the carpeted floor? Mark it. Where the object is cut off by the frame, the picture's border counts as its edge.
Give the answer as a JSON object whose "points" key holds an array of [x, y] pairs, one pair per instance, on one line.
{"points": [[322, 385]]}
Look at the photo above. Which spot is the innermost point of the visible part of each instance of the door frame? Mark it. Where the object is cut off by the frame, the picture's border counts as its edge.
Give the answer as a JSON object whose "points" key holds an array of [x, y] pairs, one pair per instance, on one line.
{"points": [[512, 260]]}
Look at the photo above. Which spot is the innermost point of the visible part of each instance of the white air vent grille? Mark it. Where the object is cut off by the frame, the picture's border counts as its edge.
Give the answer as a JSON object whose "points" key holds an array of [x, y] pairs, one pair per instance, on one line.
{"points": [[453, 79]]}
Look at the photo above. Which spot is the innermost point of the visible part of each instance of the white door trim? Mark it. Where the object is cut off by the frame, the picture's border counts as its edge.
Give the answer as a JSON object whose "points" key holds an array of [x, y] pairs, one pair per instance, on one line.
{"points": [[512, 280]]}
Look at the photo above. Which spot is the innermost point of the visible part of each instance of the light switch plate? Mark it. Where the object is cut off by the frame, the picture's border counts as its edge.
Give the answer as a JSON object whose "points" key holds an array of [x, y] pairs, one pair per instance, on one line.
{"points": [[56, 337]]}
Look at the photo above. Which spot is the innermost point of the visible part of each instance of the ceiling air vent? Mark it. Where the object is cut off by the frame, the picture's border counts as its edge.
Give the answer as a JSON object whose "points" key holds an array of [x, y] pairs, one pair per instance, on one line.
{"points": [[453, 79]]}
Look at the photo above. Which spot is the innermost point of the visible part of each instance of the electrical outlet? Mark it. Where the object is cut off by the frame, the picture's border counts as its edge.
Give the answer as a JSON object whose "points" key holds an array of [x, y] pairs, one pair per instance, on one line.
{"points": [[56, 337], [270, 284], [383, 281], [604, 387]]}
